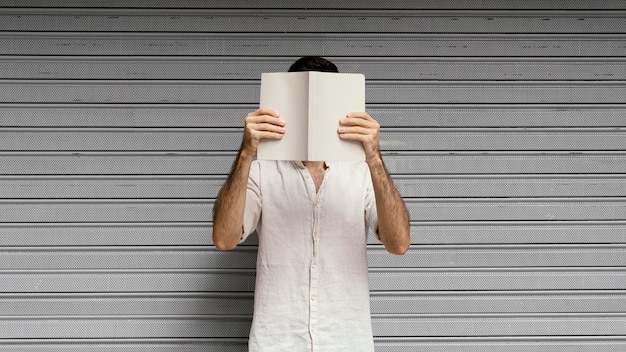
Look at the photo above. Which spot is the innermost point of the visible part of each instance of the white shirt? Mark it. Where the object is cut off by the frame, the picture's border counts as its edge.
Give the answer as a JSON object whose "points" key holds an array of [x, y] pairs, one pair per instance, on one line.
{"points": [[312, 291]]}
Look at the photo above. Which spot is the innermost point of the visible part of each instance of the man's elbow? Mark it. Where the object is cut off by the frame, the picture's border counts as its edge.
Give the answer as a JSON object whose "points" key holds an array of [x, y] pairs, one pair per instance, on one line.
{"points": [[223, 242], [399, 249], [224, 245], [399, 246]]}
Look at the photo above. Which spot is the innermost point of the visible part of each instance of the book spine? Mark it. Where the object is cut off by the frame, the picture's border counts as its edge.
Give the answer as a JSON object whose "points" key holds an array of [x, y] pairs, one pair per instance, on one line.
{"points": [[312, 84]]}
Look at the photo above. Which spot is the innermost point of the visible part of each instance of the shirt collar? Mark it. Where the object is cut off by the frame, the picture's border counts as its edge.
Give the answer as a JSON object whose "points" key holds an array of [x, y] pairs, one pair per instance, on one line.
{"points": [[299, 164]]}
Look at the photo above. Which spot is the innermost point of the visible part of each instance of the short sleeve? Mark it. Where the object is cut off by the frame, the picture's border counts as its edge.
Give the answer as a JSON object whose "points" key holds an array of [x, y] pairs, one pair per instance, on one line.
{"points": [[252, 210], [371, 213]]}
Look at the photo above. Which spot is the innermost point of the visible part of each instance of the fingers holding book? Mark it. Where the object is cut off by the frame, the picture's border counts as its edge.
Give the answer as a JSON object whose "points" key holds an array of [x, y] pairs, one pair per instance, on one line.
{"points": [[360, 126], [262, 123]]}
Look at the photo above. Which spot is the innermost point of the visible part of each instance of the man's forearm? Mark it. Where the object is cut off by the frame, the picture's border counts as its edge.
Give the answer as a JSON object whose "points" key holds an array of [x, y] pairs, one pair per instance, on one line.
{"points": [[393, 217], [230, 203]]}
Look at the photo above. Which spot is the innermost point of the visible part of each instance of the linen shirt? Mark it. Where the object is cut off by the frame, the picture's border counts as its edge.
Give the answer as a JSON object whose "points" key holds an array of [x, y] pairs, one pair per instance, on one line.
{"points": [[312, 291]]}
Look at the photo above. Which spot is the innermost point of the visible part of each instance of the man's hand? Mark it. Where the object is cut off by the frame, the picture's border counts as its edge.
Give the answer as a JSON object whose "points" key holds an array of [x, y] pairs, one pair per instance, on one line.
{"points": [[360, 126], [262, 123]]}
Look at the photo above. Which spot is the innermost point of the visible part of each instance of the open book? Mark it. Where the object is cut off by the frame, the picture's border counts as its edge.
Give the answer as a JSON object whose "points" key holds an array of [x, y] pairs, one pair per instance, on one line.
{"points": [[312, 103]]}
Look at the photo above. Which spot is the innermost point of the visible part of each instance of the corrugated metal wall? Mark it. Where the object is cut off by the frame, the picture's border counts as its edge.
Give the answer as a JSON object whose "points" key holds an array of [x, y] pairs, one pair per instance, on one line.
{"points": [[504, 128]]}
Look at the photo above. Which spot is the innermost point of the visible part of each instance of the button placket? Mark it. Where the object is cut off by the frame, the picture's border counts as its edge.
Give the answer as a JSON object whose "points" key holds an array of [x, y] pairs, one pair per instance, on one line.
{"points": [[314, 270]]}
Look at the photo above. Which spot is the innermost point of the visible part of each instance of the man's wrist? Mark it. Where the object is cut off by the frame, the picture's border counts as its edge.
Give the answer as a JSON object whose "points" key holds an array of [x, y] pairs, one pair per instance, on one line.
{"points": [[246, 153], [374, 161]]}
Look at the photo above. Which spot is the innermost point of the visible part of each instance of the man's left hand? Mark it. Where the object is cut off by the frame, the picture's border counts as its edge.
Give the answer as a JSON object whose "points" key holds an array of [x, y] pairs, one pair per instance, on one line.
{"points": [[360, 126]]}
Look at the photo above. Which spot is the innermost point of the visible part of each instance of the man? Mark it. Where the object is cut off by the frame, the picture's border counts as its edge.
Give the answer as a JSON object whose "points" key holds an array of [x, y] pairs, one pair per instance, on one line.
{"points": [[312, 218]]}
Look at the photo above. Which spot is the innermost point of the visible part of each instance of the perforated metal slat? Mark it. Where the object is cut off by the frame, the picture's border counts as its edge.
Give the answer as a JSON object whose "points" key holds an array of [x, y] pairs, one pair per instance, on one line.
{"points": [[390, 139], [388, 115], [200, 163], [242, 280], [233, 326], [324, 4], [200, 210], [190, 186], [389, 302], [328, 44], [247, 92], [149, 257], [320, 21], [199, 233], [425, 344], [386, 68]]}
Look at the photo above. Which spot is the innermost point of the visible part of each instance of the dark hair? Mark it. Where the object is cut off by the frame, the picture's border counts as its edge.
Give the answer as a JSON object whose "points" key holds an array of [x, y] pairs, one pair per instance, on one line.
{"points": [[313, 63]]}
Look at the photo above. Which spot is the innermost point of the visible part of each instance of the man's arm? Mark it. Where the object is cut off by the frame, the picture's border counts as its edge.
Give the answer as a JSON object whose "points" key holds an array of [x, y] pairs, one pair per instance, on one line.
{"points": [[229, 206], [393, 218]]}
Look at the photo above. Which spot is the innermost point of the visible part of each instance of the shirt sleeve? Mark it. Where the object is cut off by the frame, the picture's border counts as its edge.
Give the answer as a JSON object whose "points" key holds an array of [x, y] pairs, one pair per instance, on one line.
{"points": [[371, 213], [252, 210]]}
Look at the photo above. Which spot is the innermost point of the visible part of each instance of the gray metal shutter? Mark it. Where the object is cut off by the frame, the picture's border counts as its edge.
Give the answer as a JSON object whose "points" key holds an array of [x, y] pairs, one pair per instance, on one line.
{"points": [[503, 126]]}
